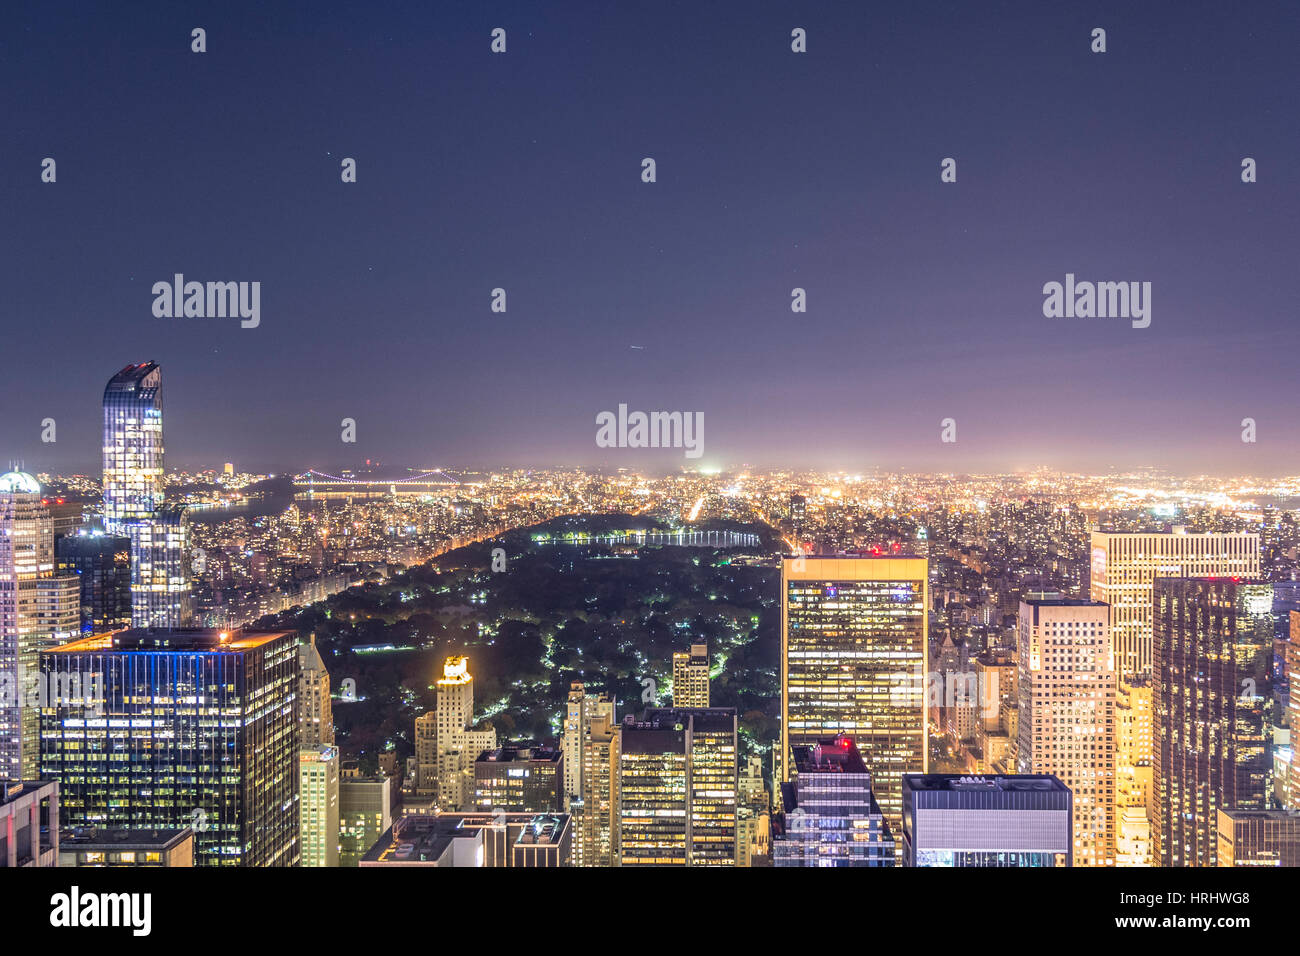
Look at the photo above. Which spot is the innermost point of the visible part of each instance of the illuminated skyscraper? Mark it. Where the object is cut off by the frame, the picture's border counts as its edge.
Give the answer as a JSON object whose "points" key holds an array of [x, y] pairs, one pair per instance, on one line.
{"points": [[691, 677], [192, 728], [677, 788], [457, 744], [597, 825], [102, 563], [365, 813], [133, 445], [854, 636], [39, 609], [1212, 696], [1133, 769], [831, 816], [580, 710], [1124, 566], [161, 595], [318, 805], [1067, 713]]}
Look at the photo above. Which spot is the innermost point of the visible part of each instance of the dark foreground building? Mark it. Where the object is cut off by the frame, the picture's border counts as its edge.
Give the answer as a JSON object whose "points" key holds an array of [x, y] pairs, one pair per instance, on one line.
{"points": [[190, 728]]}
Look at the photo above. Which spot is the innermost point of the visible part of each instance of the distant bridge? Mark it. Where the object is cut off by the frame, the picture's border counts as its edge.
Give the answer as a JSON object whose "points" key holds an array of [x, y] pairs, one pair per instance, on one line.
{"points": [[318, 484]]}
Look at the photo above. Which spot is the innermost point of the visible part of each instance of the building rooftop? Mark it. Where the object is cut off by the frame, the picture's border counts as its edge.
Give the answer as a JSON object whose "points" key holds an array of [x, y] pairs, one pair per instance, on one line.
{"points": [[172, 639], [1006, 783], [828, 755], [92, 838]]}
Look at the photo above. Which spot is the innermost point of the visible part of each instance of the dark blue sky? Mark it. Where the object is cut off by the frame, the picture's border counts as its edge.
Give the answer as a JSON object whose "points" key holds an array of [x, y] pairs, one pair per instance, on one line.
{"points": [[775, 170]]}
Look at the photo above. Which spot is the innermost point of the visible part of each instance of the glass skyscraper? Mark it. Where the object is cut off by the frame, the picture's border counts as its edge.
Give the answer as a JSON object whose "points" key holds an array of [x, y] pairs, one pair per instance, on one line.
{"points": [[133, 445], [853, 662], [1213, 705], [193, 727]]}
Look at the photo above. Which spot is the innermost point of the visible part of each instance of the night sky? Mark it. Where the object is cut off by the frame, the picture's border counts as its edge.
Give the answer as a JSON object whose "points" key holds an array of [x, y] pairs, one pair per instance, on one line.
{"points": [[775, 170]]}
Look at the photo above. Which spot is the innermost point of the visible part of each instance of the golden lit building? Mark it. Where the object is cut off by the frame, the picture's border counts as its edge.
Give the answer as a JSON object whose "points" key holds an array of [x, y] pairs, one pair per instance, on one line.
{"points": [[691, 677], [677, 788], [457, 745], [1133, 791], [1124, 567], [854, 636], [1067, 713], [318, 805], [597, 826]]}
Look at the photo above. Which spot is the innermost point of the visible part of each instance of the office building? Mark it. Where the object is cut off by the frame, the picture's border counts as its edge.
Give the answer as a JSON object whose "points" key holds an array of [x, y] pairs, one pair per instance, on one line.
{"points": [[1133, 770], [1125, 566], [102, 564], [1212, 699], [519, 778], [831, 816], [192, 727], [597, 822], [365, 814], [989, 821], [29, 823], [854, 642], [318, 805], [1258, 838], [1066, 685], [677, 788], [691, 677], [161, 594]]}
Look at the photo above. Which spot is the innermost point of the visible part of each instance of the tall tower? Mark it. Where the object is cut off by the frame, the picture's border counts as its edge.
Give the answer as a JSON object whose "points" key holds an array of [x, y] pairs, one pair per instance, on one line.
{"points": [[1066, 685], [316, 716], [596, 840], [691, 677], [580, 709], [39, 609], [1125, 566], [133, 445], [854, 636], [1211, 688], [161, 595], [458, 746]]}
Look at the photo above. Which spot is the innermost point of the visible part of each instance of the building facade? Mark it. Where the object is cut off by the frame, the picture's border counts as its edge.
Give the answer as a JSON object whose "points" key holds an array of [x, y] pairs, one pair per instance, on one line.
{"points": [[192, 728], [1066, 685], [854, 643], [1212, 697]]}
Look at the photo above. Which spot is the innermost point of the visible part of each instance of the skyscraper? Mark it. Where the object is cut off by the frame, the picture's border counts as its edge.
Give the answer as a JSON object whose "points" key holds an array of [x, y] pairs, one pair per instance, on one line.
{"points": [[458, 744], [161, 594], [133, 499], [192, 728], [39, 609], [581, 708], [1066, 686], [597, 825], [102, 563], [677, 788], [133, 445], [1124, 567], [1212, 698], [691, 677], [318, 805], [854, 636], [831, 817]]}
